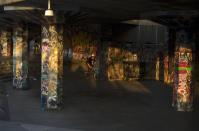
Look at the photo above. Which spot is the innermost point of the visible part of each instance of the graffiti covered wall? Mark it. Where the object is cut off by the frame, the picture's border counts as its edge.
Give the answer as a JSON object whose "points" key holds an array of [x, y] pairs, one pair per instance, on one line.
{"points": [[83, 45], [84, 41], [115, 64], [52, 67], [20, 57], [123, 63], [131, 65]]}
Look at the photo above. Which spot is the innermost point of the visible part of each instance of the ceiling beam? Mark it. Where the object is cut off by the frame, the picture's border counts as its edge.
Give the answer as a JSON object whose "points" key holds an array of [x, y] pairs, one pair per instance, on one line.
{"points": [[4, 2]]}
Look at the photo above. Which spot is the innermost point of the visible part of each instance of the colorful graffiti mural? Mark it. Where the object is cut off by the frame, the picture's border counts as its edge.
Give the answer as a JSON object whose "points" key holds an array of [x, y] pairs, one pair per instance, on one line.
{"points": [[84, 45], [122, 64], [182, 93], [131, 65], [115, 64], [20, 57], [84, 52], [52, 67], [81, 52]]}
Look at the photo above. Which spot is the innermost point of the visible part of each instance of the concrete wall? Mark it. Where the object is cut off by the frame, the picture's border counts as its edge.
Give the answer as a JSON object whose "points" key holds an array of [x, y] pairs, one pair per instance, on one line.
{"points": [[140, 34]]}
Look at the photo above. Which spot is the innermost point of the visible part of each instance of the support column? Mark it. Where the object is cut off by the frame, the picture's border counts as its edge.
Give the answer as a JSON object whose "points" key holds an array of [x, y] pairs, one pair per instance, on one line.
{"points": [[20, 58], [159, 73], [5, 43], [183, 90], [102, 59], [171, 51], [157, 68], [196, 68], [52, 67], [166, 69], [161, 66], [166, 57]]}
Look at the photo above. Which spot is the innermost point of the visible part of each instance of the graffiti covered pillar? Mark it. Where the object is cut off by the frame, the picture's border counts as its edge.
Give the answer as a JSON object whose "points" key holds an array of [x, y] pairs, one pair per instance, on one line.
{"points": [[5, 43], [52, 66], [157, 68], [183, 90], [166, 69], [20, 57]]}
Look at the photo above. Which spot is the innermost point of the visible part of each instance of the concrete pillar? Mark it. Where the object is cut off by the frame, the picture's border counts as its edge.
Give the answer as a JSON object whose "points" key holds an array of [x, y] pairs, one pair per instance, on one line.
{"points": [[157, 69], [166, 69], [196, 68], [102, 55], [166, 58], [183, 90], [5, 43], [20, 57], [52, 66], [161, 67], [171, 51]]}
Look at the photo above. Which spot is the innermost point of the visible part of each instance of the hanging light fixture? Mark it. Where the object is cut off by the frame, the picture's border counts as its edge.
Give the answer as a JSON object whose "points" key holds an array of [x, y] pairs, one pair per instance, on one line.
{"points": [[49, 12]]}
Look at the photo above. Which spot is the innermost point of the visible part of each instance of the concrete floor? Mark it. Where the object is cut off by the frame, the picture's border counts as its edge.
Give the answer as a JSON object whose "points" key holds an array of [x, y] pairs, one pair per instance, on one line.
{"points": [[17, 126], [103, 106]]}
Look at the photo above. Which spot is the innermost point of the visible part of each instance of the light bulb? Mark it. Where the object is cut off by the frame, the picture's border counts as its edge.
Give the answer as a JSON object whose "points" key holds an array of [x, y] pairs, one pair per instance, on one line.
{"points": [[49, 12]]}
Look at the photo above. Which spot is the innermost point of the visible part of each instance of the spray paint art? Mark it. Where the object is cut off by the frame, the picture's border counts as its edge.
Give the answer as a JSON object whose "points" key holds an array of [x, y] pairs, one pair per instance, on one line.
{"points": [[20, 57], [52, 67], [182, 95], [5, 44]]}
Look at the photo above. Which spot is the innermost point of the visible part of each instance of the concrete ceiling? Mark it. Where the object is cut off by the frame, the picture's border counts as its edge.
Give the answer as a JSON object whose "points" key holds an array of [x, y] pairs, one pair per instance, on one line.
{"points": [[117, 10]]}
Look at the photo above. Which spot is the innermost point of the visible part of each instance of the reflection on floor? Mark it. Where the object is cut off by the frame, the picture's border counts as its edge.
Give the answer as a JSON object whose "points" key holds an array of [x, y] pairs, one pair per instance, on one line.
{"points": [[103, 106]]}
